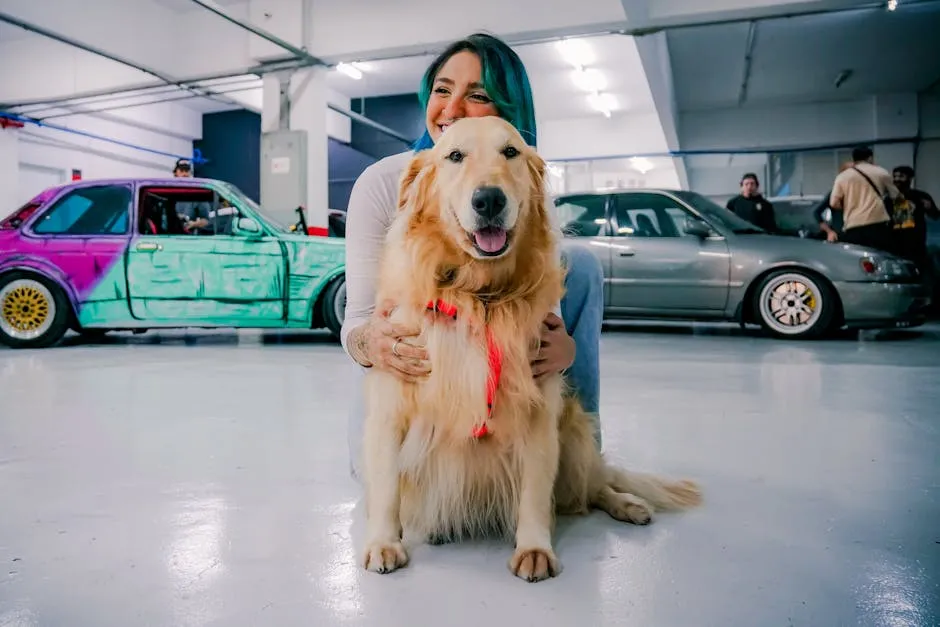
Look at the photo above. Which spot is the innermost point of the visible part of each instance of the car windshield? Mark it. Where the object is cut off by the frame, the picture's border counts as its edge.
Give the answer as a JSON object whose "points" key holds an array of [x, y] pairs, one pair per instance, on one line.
{"points": [[794, 214], [714, 211], [246, 200]]}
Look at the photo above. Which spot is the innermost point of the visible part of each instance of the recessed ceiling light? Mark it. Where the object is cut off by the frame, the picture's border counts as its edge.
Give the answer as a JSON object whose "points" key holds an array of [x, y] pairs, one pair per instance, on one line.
{"points": [[577, 52], [605, 103], [590, 79], [349, 70]]}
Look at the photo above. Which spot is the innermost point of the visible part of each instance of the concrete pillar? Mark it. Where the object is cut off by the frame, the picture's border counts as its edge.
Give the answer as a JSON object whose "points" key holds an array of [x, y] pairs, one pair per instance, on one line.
{"points": [[298, 102], [9, 171]]}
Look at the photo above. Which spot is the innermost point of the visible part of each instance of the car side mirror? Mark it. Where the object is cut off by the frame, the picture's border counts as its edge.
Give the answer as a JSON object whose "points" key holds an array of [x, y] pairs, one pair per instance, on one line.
{"points": [[696, 228], [247, 226]]}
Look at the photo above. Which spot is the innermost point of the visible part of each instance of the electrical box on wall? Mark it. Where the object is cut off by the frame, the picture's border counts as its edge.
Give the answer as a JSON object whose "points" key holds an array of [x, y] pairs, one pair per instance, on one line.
{"points": [[283, 173]]}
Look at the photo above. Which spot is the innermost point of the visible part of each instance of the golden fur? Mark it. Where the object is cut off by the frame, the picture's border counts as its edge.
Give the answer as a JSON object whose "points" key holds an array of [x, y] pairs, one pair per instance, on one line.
{"points": [[423, 470]]}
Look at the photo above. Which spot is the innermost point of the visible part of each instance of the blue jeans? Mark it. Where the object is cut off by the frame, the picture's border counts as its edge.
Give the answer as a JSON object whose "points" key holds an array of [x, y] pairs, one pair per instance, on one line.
{"points": [[582, 309]]}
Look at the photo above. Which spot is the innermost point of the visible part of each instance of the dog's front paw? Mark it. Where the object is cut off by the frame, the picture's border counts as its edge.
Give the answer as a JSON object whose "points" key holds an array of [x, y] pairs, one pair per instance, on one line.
{"points": [[534, 564], [385, 557]]}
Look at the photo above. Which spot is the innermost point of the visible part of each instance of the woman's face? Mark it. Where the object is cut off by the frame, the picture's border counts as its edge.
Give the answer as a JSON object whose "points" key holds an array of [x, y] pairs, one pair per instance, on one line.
{"points": [[457, 92]]}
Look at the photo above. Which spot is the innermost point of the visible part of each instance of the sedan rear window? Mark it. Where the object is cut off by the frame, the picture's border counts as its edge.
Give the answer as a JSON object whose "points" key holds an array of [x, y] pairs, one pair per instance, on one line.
{"points": [[18, 217]]}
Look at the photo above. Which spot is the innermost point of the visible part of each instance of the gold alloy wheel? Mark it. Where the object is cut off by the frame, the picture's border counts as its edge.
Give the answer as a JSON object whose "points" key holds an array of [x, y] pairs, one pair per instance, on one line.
{"points": [[27, 309]]}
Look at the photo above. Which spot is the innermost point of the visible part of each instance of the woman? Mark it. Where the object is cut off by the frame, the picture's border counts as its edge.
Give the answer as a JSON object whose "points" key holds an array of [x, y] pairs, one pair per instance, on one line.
{"points": [[475, 77]]}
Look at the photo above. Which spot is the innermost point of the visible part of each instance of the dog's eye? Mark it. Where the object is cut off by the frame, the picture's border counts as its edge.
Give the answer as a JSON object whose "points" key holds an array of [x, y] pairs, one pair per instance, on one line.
{"points": [[510, 151], [456, 156]]}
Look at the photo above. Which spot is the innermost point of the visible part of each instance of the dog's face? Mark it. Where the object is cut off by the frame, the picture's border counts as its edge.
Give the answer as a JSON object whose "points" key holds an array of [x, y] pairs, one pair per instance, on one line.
{"points": [[482, 181]]}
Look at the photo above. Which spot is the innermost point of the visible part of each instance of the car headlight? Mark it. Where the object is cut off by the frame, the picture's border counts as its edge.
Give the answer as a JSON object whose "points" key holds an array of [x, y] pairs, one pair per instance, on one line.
{"points": [[888, 268]]}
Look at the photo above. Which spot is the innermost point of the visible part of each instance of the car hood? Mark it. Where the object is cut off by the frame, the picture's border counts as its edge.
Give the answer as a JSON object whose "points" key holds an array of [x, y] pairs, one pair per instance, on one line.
{"points": [[778, 245]]}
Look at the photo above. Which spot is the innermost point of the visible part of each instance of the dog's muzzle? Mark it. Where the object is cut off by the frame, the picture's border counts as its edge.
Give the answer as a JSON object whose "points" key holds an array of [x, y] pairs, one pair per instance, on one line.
{"points": [[489, 203]]}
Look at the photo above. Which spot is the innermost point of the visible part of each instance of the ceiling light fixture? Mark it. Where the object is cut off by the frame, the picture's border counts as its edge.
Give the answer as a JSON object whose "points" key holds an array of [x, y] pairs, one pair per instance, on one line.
{"points": [[641, 164], [892, 5], [605, 103], [576, 52], [590, 80], [349, 70]]}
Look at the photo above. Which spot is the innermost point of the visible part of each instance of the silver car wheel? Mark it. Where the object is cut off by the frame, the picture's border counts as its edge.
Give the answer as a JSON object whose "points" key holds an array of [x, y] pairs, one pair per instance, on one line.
{"points": [[791, 304], [339, 303], [27, 309]]}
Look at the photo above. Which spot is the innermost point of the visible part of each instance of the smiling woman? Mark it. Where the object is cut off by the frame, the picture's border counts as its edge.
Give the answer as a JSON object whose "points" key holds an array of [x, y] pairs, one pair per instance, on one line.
{"points": [[478, 76]]}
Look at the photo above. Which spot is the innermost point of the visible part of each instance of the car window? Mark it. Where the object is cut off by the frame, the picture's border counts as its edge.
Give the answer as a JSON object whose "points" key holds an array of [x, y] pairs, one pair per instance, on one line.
{"points": [[87, 211], [792, 215], [177, 210], [582, 216], [644, 214]]}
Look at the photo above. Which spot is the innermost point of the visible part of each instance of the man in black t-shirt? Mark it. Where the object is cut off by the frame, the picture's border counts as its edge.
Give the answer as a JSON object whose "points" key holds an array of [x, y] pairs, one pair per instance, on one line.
{"points": [[751, 206], [912, 242]]}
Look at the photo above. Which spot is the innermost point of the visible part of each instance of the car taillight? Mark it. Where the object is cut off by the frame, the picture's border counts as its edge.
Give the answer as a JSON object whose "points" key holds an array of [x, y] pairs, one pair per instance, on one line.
{"points": [[13, 222], [868, 266]]}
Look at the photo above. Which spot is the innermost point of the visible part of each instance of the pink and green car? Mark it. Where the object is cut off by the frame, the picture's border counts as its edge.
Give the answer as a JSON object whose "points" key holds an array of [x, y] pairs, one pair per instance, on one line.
{"points": [[139, 254]]}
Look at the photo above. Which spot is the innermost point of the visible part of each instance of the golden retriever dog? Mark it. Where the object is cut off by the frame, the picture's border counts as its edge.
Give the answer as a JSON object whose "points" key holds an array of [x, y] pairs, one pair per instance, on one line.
{"points": [[480, 447]]}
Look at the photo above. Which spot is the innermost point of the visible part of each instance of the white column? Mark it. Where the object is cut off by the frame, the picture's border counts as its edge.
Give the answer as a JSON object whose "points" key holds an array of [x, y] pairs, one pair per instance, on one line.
{"points": [[306, 111], [9, 171]]}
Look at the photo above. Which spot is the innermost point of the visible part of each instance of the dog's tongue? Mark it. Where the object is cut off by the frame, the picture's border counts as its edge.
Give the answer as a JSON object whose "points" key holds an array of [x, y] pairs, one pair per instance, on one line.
{"points": [[490, 239]]}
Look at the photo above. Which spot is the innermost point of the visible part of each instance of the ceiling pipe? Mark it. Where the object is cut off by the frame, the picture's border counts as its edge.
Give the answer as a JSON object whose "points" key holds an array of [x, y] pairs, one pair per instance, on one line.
{"points": [[748, 58], [9, 19], [258, 70], [119, 100], [358, 117], [133, 105], [299, 53]]}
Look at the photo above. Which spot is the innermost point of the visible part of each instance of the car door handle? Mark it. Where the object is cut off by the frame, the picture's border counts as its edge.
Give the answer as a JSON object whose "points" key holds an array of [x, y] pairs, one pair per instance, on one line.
{"points": [[626, 253], [149, 246]]}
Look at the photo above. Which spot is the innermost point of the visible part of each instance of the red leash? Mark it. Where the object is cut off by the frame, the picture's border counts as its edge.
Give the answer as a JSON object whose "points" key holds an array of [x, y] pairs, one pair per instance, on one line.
{"points": [[494, 357]]}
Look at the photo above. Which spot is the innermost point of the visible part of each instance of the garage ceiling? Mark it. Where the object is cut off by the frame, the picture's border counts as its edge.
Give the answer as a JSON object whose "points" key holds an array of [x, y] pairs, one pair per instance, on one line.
{"points": [[796, 60], [556, 94]]}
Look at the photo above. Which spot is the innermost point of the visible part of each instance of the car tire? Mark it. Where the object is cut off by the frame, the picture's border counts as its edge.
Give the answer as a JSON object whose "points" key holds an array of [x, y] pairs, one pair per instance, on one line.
{"points": [[794, 304], [334, 305], [34, 311]]}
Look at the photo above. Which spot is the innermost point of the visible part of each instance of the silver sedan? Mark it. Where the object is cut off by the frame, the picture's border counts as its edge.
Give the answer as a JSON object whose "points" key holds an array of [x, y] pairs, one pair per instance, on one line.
{"points": [[678, 255]]}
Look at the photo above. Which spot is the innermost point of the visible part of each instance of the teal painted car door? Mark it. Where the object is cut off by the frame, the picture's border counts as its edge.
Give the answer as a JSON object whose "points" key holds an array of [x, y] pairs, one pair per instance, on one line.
{"points": [[219, 280]]}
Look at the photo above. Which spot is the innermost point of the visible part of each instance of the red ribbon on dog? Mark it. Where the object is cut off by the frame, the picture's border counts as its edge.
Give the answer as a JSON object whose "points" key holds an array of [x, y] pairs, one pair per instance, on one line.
{"points": [[494, 357]]}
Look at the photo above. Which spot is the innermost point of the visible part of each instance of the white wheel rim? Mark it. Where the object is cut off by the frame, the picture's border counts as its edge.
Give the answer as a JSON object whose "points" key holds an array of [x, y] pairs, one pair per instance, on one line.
{"points": [[791, 303], [27, 309], [339, 303]]}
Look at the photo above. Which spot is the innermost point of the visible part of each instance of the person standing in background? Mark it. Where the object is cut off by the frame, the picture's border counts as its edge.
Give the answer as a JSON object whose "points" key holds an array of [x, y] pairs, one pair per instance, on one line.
{"points": [[832, 235], [750, 205], [912, 238], [859, 192], [195, 215]]}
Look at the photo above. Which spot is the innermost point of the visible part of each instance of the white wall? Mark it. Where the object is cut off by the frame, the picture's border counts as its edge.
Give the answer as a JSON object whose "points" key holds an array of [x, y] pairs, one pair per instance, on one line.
{"points": [[43, 152], [817, 124]]}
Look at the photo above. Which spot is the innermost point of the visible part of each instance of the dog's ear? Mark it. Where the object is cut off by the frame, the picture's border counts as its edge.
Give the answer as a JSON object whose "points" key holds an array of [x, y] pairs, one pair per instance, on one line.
{"points": [[536, 167], [406, 187]]}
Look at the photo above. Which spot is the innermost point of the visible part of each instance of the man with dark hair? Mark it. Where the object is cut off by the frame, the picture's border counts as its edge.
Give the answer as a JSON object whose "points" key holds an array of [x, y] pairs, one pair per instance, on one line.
{"points": [[860, 192], [750, 205], [912, 241], [183, 168]]}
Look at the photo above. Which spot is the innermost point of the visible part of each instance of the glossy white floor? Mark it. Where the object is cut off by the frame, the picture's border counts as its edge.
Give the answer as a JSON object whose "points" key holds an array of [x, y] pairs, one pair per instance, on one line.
{"points": [[185, 479]]}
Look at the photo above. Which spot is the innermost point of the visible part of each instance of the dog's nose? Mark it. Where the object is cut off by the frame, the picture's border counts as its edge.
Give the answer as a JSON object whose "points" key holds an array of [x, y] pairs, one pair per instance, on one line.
{"points": [[488, 201]]}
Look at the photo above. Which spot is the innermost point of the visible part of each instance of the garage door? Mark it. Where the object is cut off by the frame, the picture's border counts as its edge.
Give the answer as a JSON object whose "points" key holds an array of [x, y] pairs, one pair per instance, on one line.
{"points": [[36, 178]]}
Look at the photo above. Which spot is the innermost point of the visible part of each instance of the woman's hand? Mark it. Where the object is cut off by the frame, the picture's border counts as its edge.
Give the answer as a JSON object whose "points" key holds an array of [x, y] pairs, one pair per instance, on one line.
{"points": [[556, 350], [393, 347]]}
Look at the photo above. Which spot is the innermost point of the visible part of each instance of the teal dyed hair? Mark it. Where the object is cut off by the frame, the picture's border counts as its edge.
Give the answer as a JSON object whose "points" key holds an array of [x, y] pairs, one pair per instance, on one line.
{"points": [[504, 78]]}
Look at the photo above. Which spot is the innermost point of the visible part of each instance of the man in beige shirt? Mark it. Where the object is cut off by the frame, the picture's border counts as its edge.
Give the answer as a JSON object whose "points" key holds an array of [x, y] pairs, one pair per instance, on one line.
{"points": [[859, 193]]}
